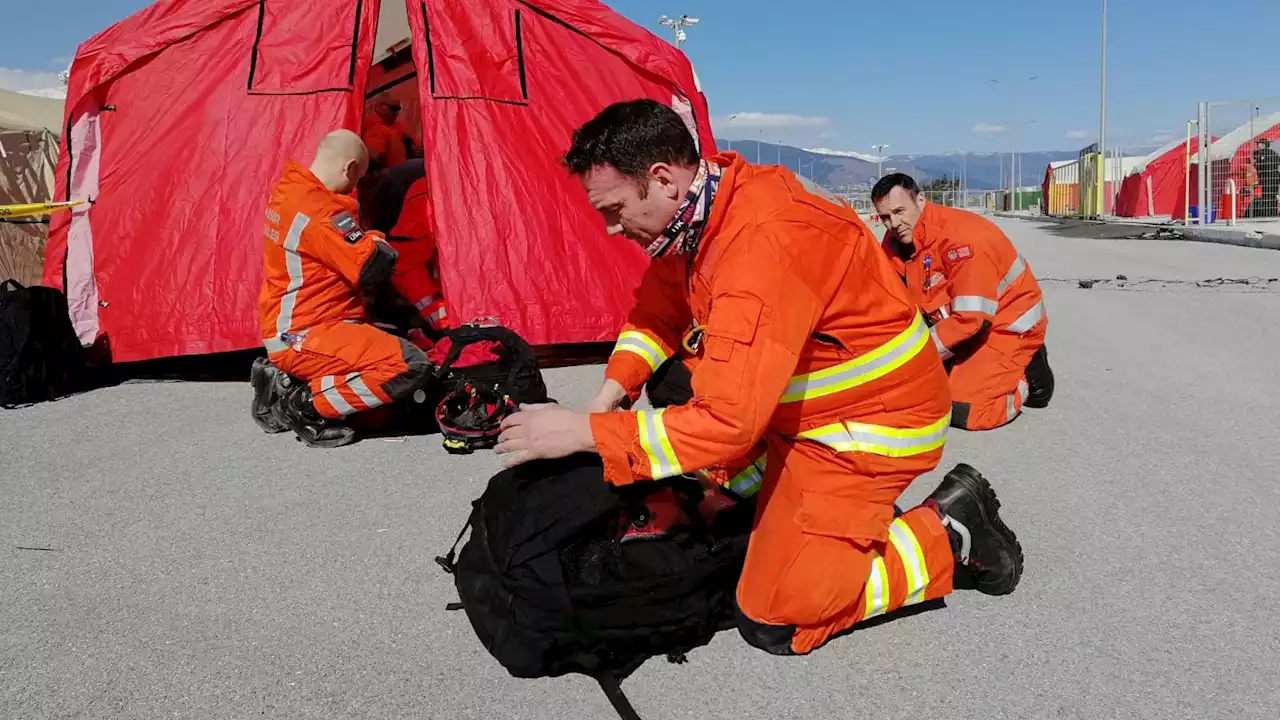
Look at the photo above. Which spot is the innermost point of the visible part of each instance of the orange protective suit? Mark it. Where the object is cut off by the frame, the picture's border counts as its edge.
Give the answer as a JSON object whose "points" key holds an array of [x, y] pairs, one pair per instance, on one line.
{"points": [[984, 304], [810, 344], [386, 142], [315, 257], [416, 276]]}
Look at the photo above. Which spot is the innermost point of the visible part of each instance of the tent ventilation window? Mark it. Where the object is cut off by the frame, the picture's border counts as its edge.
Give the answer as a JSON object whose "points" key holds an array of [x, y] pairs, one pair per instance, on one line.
{"points": [[478, 55], [277, 68]]}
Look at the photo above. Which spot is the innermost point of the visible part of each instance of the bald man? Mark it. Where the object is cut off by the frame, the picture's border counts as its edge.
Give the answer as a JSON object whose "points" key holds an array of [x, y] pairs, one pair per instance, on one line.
{"points": [[316, 259]]}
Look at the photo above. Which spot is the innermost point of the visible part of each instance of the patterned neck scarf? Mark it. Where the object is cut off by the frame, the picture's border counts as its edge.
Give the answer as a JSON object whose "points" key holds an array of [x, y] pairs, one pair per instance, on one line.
{"points": [[685, 231]]}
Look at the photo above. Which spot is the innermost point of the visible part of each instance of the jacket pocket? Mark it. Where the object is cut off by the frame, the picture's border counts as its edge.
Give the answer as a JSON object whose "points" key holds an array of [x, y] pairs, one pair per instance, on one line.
{"points": [[731, 329], [842, 516]]}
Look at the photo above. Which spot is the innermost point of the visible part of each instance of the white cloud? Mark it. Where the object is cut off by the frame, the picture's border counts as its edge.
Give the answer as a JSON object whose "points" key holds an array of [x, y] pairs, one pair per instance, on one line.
{"points": [[759, 120], [989, 129], [1077, 135], [30, 81]]}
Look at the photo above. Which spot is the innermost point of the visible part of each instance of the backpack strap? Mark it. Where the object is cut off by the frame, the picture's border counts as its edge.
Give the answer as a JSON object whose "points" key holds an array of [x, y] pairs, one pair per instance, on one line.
{"points": [[446, 561], [612, 690], [519, 351]]}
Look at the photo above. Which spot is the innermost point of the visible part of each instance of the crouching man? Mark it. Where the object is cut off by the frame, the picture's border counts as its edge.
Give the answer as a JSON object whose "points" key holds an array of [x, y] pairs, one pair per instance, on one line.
{"points": [[806, 340], [315, 260], [980, 298]]}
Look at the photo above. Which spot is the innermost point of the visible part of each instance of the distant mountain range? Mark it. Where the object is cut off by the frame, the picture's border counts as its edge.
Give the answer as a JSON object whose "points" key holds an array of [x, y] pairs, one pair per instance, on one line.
{"points": [[842, 169]]}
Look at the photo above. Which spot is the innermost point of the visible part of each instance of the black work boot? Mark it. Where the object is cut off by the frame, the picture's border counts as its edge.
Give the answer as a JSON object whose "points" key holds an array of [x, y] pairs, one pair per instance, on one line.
{"points": [[1039, 380], [297, 412], [268, 386], [988, 556]]}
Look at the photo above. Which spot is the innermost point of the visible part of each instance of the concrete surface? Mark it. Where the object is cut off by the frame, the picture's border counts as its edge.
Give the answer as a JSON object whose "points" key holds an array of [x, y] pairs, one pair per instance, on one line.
{"points": [[1246, 233], [200, 569]]}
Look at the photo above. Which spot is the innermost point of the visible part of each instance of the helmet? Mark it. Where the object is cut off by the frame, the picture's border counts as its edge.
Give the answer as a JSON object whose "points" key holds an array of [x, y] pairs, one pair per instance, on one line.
{"points": [[470, 418]]}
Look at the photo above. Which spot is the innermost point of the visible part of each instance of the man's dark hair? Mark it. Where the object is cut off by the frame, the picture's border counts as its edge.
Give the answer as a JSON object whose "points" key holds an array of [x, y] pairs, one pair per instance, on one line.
{"points": [[631, 136], [889, 182]]}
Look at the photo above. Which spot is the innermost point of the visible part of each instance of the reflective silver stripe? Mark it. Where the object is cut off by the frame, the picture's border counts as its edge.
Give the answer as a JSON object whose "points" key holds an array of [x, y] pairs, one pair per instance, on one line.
{"points": [[275, 344], [438, 315], [1011, 407], [974, 303], [852, 436], [642, 345], [937, 342], [746, 483], [293, 264], [663, 462], [912, 556], [1014, 271], [425, 301], [362, 391], [1028, 319], [861, 370], [328, 388], [877, 589]]}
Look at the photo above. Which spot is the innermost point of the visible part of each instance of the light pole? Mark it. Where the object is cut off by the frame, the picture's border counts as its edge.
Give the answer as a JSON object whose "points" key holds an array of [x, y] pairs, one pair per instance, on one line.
{"points": [[678, 25], [1102, 121], [1014, 114], [879, 160]]}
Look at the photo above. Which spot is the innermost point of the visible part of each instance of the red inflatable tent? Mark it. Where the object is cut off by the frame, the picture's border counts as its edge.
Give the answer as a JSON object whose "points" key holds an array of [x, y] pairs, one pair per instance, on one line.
{"points": [[1155, 186], [180, 117]]}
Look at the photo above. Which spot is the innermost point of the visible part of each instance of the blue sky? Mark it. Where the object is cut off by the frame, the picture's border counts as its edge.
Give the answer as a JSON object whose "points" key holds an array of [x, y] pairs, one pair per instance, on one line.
{"points": [[846, 74]]}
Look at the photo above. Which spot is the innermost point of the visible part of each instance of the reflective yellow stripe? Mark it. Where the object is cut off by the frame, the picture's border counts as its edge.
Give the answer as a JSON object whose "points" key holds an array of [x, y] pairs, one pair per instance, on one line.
{"points": [[746, 483], [904, 541], [663, 462], [852, 436], [642, 345], [861, 370], [876, 591]]}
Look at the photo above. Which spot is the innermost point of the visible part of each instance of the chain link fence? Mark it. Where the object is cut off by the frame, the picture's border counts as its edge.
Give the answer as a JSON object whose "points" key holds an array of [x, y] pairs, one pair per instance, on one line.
{"points": [[1236, 173]]}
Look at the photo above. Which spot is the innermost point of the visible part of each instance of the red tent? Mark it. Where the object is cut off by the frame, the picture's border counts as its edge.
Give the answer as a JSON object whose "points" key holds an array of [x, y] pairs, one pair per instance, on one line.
{"points": [[180, 117], [1155, 186]]}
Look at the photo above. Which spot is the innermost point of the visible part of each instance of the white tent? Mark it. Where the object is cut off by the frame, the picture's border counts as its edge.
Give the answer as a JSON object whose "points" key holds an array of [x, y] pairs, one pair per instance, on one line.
{"points": [[29, 131]]}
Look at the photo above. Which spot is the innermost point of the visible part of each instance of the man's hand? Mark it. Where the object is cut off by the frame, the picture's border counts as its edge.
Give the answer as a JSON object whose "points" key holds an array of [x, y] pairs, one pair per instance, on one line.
{"points": [[542, 432], [610, 398]]}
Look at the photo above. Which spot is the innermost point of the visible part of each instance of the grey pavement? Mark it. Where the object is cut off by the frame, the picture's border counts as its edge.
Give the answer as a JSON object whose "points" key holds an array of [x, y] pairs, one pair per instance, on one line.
{"points": [[199, 569]]}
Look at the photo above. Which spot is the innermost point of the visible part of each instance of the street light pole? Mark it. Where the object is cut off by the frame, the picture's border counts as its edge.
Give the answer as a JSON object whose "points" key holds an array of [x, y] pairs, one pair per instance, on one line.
{"points": [[1102, 121], [1013, 114], [879, 160]]}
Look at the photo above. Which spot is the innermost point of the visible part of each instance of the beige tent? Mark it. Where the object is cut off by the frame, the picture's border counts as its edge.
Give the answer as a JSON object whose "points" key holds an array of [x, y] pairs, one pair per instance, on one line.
{"points": [[29, 130]]}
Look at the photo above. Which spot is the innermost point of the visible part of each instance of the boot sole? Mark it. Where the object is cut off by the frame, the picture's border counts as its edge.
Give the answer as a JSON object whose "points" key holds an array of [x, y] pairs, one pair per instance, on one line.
{"points": [[974, 482]]}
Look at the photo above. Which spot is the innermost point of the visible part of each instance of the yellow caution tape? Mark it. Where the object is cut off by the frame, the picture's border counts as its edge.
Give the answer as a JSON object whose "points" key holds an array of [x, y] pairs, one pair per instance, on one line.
{"points": [[13, 211]]}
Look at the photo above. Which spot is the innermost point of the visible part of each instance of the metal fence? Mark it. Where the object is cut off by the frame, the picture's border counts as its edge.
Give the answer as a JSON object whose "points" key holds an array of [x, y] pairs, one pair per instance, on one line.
{"points": [[980, 201], [1235, 173]]}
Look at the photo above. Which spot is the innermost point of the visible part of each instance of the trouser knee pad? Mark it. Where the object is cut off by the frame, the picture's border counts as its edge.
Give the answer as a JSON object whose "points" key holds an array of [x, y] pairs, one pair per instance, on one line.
{"points": [[773, 639]]}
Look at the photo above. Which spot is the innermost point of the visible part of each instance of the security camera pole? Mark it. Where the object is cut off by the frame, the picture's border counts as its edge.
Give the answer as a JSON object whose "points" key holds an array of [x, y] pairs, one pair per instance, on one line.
{"points": [[678, 25]]}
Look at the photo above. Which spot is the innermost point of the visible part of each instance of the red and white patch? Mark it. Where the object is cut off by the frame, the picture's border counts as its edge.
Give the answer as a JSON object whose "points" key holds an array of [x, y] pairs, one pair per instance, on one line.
{"points": [[960, 252]]}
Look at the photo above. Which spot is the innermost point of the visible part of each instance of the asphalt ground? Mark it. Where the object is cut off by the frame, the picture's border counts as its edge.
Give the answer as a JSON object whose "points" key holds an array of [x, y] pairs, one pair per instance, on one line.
{"points": [[193, 567]]}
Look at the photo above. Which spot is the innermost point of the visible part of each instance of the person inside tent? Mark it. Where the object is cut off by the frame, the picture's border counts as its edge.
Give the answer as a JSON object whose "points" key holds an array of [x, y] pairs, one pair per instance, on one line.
{"points": [[983, 304], [388, 140], [315, 260], [1267, 162], [805, 339], [401, 210]]}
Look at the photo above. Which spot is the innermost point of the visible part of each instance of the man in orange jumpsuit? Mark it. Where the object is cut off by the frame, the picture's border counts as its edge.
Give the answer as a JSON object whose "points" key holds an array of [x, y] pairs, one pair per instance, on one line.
{"points": [[402, 212], [387, 139], [805, 339], [315, 259], [980, 298]]}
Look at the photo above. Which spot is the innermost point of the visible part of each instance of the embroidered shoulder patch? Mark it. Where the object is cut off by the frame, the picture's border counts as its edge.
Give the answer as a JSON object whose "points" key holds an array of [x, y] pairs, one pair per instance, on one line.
{"points": [[959, 252], [344, 223]]}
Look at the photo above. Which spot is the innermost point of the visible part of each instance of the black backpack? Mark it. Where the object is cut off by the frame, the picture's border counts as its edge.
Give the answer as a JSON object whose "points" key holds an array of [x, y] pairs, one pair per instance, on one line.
{"points": [[515, 373], [40, 355], [551, 586]]}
